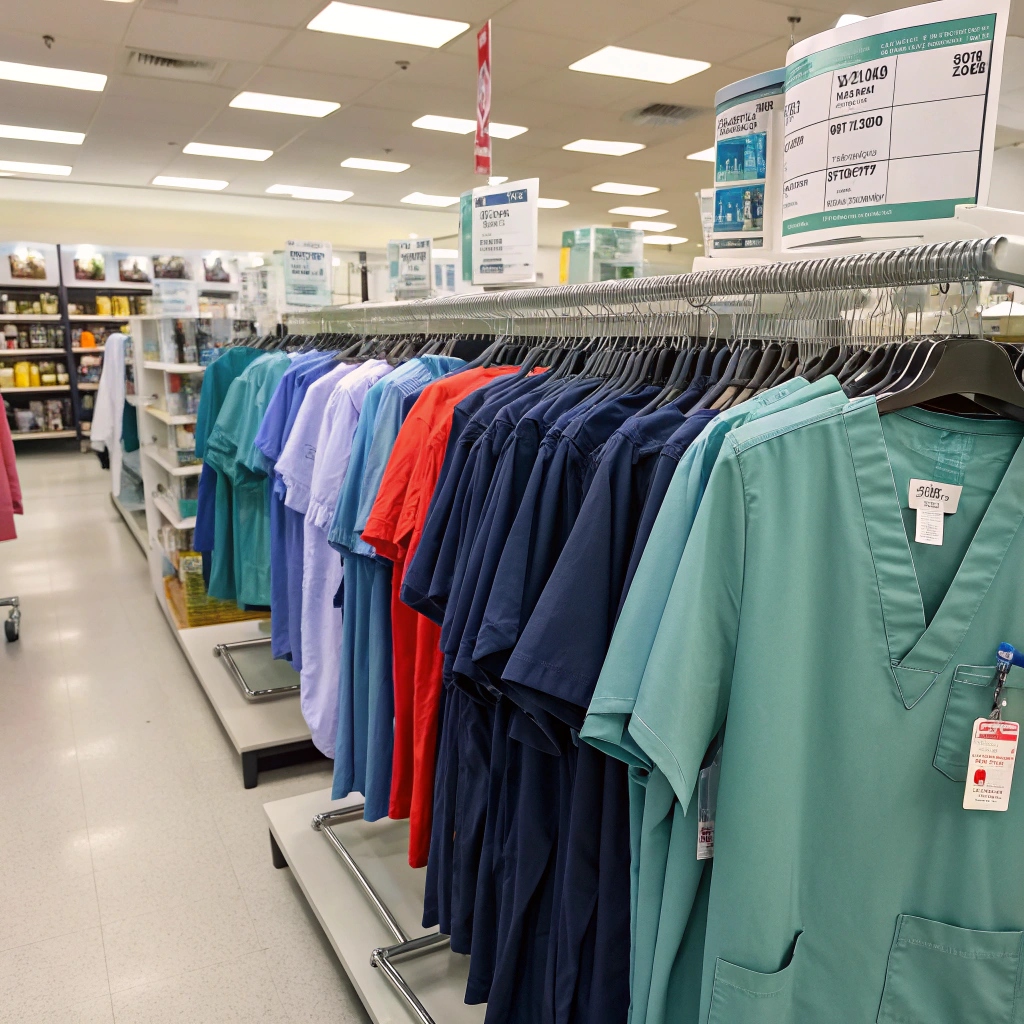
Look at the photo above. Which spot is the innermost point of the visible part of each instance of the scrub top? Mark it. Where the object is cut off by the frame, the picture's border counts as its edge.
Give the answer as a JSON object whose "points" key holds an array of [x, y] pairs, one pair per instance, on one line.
{"points": [[849, 883]]}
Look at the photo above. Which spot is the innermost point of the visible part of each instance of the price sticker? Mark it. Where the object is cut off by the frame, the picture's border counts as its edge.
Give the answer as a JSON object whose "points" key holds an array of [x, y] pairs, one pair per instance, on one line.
{"points": [[990, 765]]}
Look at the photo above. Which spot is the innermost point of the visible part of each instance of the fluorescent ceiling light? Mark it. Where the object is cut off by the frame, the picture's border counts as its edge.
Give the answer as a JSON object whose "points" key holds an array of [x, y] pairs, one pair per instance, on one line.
{"points": [[34, 74], [664, 240], [391, 26], [121, 1], [497, 179], [638, 211], [463, 126], [505, 131], [648, 67], [13, 131], [20, 167], [209, 184], [328, 195], [652, 225], [357, 163], [604, 148], [704, 154], [849, 19], [620, 189], [422, 199], [227, 152], [283, 104], [552, 204], [445, 254]]}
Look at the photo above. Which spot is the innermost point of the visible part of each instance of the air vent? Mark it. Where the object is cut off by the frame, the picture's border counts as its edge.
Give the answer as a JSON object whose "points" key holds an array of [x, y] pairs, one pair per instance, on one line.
{"points": [[175, 66], [663, 115]]}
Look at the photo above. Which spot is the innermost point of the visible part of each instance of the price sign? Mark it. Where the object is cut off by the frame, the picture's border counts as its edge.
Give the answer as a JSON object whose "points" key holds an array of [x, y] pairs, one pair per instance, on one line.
{"points": [[504, 232], [885, 121]]}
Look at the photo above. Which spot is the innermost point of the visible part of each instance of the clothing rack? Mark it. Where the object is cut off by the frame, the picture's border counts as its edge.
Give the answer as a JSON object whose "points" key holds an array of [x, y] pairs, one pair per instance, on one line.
{"points": [[968, 262], [962, 263]]}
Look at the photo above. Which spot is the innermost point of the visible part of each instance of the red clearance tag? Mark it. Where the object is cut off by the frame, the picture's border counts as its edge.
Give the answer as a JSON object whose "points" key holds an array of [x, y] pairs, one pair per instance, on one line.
{"points": [[990, 766]]}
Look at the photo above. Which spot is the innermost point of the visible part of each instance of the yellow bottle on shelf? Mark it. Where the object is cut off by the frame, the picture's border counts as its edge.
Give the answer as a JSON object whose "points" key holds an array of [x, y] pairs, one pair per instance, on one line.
{"points": [[22, 377], [33, 375]]}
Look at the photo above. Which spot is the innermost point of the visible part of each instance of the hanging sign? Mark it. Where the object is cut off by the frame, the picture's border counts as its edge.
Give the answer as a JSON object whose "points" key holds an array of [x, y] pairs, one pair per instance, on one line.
{"points": [[505, 232], [483, 100], [413, 267], [307, 273], [890, 122]]}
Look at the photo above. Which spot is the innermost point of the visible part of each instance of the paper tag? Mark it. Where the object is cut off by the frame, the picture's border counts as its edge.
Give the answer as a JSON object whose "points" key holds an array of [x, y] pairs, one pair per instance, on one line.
{"points": [[990, 766], [929, 526], [707, 805], [932, 500]]}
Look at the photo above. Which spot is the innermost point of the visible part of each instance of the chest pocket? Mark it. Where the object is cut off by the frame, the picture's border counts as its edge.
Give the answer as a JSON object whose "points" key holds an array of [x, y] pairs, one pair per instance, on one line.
{"points": [[970, 698]]}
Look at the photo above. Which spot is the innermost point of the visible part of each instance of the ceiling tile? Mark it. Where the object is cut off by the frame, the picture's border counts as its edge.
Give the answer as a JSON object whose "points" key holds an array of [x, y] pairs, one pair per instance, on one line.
{"points": [[683, 36], [313, 85], [364, 58], [67, 52], [167, 32], [596, 22], [295, 14], [41, 107], [253, 128]]}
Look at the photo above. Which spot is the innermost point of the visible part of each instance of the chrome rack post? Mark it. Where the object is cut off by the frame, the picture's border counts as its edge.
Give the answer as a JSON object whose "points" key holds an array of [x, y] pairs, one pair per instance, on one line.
{"points": [[224, 652], [384, 957]]}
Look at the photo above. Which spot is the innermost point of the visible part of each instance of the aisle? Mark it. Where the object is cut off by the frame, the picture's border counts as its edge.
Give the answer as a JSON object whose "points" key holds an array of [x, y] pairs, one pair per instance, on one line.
{"points": [[135, 874]]}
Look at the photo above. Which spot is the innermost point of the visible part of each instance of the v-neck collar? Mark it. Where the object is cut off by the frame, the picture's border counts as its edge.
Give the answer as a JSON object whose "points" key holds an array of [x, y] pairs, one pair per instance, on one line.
{"points": [[920, 651]]}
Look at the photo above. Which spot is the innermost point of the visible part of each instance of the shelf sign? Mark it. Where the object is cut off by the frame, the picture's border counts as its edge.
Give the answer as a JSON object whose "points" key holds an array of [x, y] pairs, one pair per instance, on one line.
{"points": [[504, 226], [307, 273], [891, 121], [413, 268], [483, 100]]}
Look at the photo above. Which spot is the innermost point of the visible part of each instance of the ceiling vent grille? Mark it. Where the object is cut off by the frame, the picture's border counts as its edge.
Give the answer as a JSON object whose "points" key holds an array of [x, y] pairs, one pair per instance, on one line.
{"points": [[663, 115], [148, 64]]}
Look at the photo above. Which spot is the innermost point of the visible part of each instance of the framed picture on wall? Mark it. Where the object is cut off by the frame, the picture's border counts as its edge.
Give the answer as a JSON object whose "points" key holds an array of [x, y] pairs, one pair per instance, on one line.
{"points": [[91, 268], [135, 269], [27, 265], [172, 268]]}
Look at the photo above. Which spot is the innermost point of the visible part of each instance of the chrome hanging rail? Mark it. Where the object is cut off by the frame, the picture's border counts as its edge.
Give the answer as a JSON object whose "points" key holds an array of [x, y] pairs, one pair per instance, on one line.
{"points": [[972, 260]]}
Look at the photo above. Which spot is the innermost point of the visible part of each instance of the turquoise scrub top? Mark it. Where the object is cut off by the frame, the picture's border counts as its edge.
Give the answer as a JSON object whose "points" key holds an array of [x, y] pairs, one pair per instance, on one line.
{"points": [[849, 883], [667, 942]]}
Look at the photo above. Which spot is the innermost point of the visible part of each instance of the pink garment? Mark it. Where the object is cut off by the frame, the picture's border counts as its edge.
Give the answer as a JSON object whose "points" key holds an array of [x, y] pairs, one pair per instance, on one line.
{"points": [[10, 488]]}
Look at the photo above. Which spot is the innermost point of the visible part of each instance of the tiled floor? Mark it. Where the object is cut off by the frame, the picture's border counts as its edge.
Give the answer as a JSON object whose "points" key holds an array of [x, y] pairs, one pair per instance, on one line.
{"points": [[135, 874]]}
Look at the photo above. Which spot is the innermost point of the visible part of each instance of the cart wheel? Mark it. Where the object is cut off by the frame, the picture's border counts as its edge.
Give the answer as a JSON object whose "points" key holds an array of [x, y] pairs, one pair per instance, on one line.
{"points": [[11, 630]]}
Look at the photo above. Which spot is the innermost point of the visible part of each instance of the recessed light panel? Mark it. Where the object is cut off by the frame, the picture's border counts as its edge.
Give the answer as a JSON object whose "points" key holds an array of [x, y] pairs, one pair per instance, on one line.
{"points": [[423, 199], [324, 195], [20, 167], [552, 204], [437, 123], [620, 188], [34, 74], [13, 131], [652, 225], [283, 104], [637, 211], [357, 163], [704, 154], [390, 26], [647, 67], [664, 240], [497, 179], [603, 147], [504, 131], [227, 152], [849, 19], [207, 184]]}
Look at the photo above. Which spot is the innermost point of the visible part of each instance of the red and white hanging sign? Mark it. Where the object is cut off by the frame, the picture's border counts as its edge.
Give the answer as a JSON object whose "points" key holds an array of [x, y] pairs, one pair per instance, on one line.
{"points": [[483, 100]]}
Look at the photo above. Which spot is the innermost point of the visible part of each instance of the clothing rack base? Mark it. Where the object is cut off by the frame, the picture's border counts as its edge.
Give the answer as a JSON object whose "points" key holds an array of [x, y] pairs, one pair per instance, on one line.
{"points": [[369, 948]]}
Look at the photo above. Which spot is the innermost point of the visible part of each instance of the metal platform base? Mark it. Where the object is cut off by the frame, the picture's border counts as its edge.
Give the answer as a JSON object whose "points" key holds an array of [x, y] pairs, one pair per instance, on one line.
{"points": [[365, 944]]}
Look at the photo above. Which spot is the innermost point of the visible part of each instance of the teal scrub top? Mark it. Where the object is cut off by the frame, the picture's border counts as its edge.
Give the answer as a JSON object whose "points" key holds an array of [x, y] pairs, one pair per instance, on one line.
{"points": [[667, 923], [849, 883], [240, 563]]}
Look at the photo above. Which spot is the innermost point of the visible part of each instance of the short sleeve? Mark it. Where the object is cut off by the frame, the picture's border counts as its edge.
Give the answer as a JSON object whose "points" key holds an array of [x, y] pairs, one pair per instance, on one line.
{"points": [[685, 690]]}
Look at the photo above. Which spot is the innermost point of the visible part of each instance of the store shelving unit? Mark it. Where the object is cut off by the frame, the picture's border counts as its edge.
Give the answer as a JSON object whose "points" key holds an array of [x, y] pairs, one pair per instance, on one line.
{"points": [[267, 733]]}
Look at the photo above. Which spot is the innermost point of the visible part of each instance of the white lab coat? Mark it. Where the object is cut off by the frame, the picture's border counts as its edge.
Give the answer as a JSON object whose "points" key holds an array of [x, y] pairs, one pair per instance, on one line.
{"points": [[108, 412]]}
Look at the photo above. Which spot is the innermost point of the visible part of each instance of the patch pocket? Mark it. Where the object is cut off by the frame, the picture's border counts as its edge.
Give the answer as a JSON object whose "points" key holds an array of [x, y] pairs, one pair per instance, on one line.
{"points": [[940, 974], [741, 996], [970, 698]]}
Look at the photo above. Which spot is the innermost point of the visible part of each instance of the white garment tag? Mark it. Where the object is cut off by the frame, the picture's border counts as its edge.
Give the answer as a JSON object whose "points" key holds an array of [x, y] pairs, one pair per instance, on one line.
{"points": [[932, 500], [990, 766], [707, 805]]}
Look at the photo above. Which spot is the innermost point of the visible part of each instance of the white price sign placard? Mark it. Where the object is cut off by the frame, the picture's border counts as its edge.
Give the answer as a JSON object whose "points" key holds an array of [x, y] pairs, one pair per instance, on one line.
{"points": [[414, 266], [307, 273], [504, 223], [886, 121]]}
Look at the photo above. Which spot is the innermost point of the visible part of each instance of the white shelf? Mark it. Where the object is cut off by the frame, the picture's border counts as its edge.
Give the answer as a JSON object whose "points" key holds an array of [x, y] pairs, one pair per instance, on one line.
{"points": [[23, 353], [95, 350], [86, 385], [138, 401], [29, 318], [41, 435], [131, 517], [114, 287], [165, 417], [348, 919], [167, 510], [161, 459], [175, 367], [41, 387], [77, 318]]}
